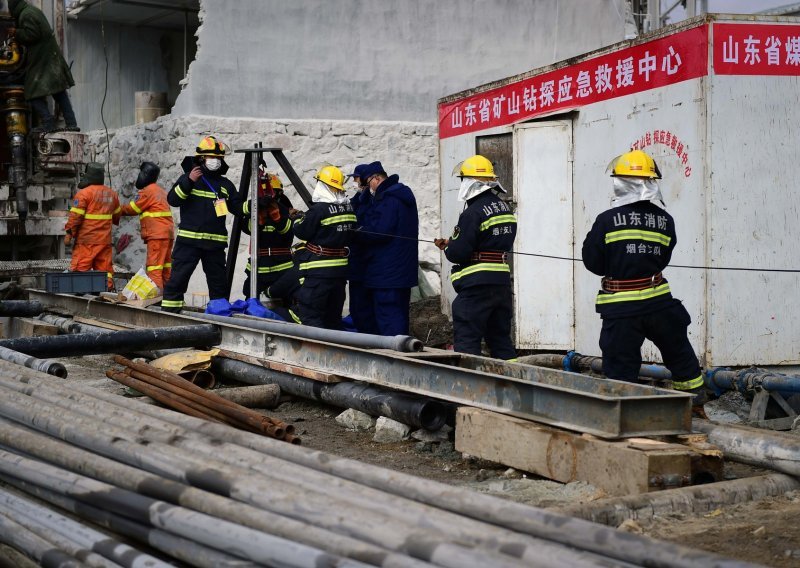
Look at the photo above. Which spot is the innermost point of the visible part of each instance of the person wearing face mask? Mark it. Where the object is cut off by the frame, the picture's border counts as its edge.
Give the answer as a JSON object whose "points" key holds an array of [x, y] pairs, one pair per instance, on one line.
{"points": [[630, 245], [388, 231], [479, 249], [321, 258], [205, 197], [155, 216], [361, 311]]}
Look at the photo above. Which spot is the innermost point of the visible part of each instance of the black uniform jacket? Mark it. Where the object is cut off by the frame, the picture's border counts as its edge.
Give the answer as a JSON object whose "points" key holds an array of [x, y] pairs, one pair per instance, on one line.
{"points": [[272, 235], [199, 225], [631, 242], [486, 225], [327, 225]]}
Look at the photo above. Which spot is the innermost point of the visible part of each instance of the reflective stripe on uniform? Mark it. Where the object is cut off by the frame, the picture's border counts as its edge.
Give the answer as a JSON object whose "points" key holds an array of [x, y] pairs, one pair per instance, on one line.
{"points": [[99, 216], [118, 210], [156, 214], [498, 220], [635, 234], [180, 192], [171, 303], [323, 263], [202, 236], [78, 211], [286, 228], [135, 207], [482, 267], [691, 384], [268, 269], [346, 218], [633, 295], [294, 317], [167, 265], [201, 193], [155, 267]]}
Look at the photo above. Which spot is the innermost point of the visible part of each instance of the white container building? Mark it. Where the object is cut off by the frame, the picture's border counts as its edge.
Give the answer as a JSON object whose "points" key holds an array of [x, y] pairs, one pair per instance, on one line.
{"points": [[715, 101]]}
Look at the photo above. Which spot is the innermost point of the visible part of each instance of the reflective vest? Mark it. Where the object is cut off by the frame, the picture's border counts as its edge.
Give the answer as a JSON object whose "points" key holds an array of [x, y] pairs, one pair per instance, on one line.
{"points": [[154, 213]]}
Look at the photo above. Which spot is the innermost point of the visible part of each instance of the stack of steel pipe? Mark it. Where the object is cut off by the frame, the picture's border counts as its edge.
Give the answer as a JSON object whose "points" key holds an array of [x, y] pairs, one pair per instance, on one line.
{"points": [[191, 488], [180, 394]]}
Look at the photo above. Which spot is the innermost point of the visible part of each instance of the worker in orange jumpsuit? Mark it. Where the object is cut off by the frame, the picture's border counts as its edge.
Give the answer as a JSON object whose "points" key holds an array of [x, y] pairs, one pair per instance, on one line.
{"points": [[94, 209], [158, 228]]}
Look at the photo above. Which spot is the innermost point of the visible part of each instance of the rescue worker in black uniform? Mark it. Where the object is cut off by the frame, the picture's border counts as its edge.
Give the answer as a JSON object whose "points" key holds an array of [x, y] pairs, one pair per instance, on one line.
{"points": [[275, 232], [326, 230], [479, 250], [629, 246], [205, 197]]}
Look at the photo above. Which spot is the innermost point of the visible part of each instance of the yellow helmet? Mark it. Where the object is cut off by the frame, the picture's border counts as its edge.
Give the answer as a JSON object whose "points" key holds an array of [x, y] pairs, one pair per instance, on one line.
{"points": [[210, 146], [475, 167], [634, 163], [332, 176]]}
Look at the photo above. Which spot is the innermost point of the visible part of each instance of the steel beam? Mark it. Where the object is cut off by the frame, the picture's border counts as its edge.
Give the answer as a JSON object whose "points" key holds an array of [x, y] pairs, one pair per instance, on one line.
{"points": [[605, 408]]}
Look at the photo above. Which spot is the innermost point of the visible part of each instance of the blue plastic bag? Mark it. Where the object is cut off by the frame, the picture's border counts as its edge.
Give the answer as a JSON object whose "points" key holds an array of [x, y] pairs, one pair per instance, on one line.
{"points": [[256, 308], [219, 307]]}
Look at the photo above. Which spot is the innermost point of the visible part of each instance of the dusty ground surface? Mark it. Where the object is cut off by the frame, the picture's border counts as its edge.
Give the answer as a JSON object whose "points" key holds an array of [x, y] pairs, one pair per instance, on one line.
{"points": [[765, 532]]}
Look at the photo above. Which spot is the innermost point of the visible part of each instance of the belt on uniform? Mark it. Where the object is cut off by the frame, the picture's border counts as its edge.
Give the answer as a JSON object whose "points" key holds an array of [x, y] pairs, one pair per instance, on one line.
{"points": [[614, 285], [325, 251], [273, 251], [500, 257]]}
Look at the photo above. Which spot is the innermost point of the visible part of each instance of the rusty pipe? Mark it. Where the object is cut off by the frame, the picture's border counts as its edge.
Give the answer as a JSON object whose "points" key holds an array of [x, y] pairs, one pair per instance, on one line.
{"points": [[241, 415], [203, 378], [179, 381], [178, 402]]}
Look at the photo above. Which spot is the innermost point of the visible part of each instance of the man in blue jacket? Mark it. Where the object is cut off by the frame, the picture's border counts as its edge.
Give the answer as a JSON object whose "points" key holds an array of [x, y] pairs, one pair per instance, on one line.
{"points": [[361, 310], [389, 228]]}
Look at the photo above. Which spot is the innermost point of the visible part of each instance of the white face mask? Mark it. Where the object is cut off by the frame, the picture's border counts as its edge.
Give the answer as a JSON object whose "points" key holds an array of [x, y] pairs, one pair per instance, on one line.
{"points": [[213, 164], [630, 190]]}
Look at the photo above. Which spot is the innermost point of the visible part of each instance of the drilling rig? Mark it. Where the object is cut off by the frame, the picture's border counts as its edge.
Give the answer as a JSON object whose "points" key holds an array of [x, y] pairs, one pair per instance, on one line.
{"points": [[38, 171]]}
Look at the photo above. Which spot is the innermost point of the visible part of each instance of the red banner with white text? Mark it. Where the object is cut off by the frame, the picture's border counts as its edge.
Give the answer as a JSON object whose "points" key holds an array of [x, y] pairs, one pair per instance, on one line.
{"points": [[756, 49], [663, 61]]}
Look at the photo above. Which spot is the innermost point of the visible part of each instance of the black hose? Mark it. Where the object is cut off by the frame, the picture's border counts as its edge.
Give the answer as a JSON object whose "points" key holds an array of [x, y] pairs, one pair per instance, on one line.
{"points": [[409, 409]]}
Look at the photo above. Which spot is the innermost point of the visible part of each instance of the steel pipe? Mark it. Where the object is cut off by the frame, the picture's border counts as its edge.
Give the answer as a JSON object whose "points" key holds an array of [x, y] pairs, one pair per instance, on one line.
{"points": [[183, 549], [404, 343], [314, 499], [255, 396], [749, 380], [755, 446], [683, 500], [44, 365], [113, 341], [211, 398], [128, 477], [15, 535], [20, 308], [406, 408], [577, 363], [69, 325], [504, 515], [75, 538], [219, 534]]}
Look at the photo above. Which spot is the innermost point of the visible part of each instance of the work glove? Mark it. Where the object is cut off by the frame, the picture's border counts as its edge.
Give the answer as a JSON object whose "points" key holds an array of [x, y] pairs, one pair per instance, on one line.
{"points": [[295, 214], [441, 243]]}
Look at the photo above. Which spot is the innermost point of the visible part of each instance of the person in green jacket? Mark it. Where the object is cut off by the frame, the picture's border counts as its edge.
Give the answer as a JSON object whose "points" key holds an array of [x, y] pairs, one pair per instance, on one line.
{"points": [[46, 72]]}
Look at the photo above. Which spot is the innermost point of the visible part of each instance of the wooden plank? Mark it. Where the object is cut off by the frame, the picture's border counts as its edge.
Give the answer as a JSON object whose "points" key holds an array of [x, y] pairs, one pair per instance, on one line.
{"points": [[102, 323], [27, 327], [618, 467], [284, 367]]}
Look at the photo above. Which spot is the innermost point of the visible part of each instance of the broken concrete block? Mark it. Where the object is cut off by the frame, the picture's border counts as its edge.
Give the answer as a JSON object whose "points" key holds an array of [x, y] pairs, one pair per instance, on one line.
{"points": [[388, 430], [355, 420]]}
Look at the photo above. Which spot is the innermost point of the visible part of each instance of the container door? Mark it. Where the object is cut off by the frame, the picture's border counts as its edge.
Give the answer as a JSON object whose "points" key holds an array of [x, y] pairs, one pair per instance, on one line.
{"points": [[543, 287]]}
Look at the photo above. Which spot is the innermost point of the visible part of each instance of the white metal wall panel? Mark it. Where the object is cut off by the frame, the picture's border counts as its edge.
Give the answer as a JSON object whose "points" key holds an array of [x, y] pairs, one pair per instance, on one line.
{"points": [[607, 129], [543, 287], [754, 317]]}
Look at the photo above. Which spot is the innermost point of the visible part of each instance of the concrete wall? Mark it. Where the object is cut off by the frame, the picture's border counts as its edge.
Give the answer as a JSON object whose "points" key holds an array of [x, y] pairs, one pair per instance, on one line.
{"points": [[408, 149], [139, 59], [377, 59]]}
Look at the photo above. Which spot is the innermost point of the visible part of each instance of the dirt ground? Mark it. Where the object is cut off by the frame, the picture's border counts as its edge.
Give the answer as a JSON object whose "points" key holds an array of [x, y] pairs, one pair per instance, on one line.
{"points": [[765, 532]]}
